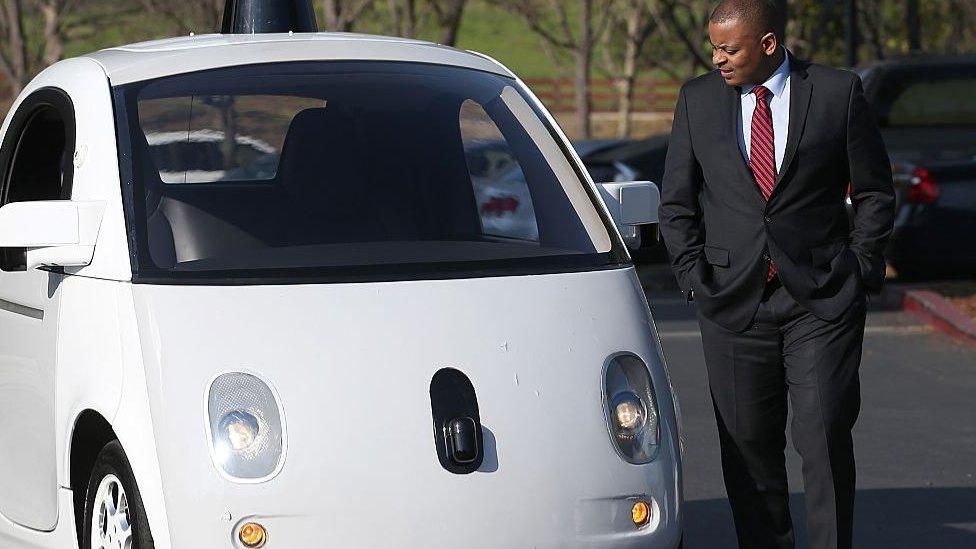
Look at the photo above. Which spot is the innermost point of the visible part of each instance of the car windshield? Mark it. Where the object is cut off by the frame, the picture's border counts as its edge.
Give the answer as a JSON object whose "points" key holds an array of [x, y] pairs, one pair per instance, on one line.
{"points": [[348, 169]]}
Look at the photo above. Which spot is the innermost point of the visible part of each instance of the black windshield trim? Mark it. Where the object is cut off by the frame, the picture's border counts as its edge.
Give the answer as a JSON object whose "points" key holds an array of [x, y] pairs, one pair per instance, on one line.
{"points": [[388, 273]]}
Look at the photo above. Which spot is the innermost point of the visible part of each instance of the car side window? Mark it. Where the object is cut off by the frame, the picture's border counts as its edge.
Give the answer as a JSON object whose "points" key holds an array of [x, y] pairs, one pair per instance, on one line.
{"points": [[941, 102], [41, 166], [36, 156], [504, 201]]}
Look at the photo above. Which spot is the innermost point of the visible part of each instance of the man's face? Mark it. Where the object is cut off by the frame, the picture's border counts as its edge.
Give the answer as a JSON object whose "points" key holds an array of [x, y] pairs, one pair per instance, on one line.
{"points": [[741, 52]]}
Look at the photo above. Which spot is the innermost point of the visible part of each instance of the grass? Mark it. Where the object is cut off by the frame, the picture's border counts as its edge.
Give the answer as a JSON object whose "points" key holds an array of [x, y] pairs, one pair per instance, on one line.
{"points": [[508, 39]]}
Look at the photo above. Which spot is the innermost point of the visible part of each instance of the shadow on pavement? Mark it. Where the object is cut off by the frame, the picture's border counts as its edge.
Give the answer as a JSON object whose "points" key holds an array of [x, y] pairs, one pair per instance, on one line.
{"points": [[884, 519]]}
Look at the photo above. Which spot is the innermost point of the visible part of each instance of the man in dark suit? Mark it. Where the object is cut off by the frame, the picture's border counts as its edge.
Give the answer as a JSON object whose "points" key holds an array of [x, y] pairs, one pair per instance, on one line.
{"points": [[753, 214]]}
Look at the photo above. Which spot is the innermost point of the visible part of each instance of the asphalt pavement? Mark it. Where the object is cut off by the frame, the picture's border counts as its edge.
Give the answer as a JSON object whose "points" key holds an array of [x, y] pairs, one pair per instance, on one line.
{"points": [[915, 439]]}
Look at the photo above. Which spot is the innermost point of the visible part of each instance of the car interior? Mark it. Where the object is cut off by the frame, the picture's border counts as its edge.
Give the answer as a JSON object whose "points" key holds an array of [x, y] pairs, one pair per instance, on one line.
{"points": [[358, 180]]}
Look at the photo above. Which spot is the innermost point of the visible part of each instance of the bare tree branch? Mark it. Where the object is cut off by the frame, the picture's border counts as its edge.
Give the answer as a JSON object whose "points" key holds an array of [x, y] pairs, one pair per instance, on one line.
{"points": [[632, 25], [533, 16], [559, 8], [552, 20], [342, 15], [52, 13], [199, 15], [448, 18], [15, 58], [666, 11], [403, 17]]}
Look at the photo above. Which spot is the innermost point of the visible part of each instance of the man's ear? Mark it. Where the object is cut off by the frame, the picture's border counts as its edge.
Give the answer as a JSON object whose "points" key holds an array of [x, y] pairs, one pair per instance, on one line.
{"points": [[769, 43]]}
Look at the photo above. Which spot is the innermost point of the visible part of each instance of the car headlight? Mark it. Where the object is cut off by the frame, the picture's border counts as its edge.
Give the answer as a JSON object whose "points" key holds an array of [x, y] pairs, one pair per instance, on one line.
{"points": [[631, 409], [245, 428], [628, 414]]}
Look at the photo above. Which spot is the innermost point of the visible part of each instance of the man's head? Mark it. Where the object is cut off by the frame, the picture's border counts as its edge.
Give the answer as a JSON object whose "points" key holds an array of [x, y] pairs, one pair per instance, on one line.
{"points": [[746, 36]]}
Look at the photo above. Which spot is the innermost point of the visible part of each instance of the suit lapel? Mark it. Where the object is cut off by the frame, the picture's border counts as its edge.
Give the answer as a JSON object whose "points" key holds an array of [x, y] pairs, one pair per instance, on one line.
{"points": [[800, 90]]}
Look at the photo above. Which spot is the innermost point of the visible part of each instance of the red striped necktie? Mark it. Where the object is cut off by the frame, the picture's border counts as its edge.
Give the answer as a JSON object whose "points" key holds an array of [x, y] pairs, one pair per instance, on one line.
{"points": [[762, 151]]}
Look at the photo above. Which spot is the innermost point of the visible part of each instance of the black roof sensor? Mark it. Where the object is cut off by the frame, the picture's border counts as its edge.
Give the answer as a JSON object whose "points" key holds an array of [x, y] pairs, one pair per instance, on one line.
{"points": [[266, 16]]}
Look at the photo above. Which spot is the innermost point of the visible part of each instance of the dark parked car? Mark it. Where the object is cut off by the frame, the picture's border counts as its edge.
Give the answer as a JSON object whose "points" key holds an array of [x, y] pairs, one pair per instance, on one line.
{"points": [[926, 108], [641, 160]]}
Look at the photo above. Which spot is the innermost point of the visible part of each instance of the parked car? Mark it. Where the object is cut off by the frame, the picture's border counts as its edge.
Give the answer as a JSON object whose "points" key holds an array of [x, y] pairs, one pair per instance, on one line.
{"points": [[641, 159], [585, 147], [925, 108], [345, 348]]}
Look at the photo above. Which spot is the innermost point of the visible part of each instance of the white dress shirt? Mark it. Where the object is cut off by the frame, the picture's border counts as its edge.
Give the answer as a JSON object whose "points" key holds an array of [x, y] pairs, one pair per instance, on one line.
{"points": [[779, 85]]}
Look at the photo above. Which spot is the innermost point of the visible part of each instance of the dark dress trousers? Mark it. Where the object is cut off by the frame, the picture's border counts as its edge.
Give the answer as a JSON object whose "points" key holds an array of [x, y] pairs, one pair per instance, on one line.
{"points": [[798, 337]]}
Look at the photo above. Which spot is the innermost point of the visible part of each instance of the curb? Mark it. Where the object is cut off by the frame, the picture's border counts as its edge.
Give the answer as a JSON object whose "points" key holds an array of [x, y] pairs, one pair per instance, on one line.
{"points": [[941, 314]]}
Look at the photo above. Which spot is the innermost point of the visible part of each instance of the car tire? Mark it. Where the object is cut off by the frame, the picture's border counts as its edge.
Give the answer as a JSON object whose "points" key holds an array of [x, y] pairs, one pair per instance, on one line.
{"points": [[115, 517]]}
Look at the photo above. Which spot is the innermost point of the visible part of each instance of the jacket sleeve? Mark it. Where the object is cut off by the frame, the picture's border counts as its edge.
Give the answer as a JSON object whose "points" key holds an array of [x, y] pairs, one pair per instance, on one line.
{"points": [[872, 192], [680, 211]]}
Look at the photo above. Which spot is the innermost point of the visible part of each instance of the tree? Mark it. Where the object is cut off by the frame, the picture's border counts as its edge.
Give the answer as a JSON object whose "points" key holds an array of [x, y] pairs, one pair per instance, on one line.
{"points": [[403, 17], [14, 57], [818, 30], [448, 15], [912, 26], [342, 15], [632, 24], [409, 17], [53, 15], [682, 24], [551, 20], [19, 61], [949, 26]]}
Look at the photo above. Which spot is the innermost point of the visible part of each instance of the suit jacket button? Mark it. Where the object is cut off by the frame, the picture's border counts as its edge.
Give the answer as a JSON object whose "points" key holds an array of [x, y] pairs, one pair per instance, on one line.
{"points": [[766, 257], [767, 220]]}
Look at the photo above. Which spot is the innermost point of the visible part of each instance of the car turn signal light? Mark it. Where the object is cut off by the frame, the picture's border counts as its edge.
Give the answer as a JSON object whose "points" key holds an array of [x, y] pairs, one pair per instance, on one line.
{"points": [[252, 534], [640, 513]]}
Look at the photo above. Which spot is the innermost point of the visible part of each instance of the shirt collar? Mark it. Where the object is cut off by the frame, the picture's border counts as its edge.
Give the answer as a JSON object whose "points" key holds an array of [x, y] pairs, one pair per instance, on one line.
{"points": [[776, 83]]}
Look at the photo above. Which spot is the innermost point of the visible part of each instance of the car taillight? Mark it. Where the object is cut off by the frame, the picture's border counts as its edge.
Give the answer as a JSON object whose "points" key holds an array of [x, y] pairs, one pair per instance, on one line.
{"points": [[922, 188]]}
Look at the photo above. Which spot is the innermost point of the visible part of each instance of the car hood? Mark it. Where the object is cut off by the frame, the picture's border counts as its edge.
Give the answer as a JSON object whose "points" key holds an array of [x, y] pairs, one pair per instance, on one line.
{"points": [[352, 365]]}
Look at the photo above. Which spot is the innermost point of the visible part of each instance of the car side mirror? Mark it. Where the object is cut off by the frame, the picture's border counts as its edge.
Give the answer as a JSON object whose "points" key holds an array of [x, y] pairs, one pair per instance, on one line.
{"points": [[631, 204], [49, 233]]}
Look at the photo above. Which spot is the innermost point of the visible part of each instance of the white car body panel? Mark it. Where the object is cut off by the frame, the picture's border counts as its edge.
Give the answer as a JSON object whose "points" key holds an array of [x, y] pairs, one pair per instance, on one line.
{"points": [[351, 363], [96, 160], [196, 53], [101, 337], [28, 460], [30, 324], [354, 380], [15, 536]]}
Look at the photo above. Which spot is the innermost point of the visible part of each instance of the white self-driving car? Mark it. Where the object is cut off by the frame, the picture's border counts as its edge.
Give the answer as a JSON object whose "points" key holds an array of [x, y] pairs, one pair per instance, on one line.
{"points": [[329, 336]]}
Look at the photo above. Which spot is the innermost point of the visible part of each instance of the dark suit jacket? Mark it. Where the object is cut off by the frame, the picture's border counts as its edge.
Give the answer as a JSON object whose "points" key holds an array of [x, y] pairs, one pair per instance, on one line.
{"points": [[719, 229]]}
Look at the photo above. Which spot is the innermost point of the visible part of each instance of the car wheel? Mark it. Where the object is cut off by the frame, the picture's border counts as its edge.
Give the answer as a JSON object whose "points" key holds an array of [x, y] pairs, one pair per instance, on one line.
{"points": [[114, 515]]}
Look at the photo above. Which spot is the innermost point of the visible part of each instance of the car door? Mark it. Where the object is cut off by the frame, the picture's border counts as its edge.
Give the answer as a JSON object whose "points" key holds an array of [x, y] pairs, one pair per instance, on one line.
{"points": [[35, 163]]}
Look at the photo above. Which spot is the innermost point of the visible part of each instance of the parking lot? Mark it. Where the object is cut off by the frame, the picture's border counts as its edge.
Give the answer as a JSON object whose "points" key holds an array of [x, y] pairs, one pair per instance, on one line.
{"points": [[915, 438]]}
